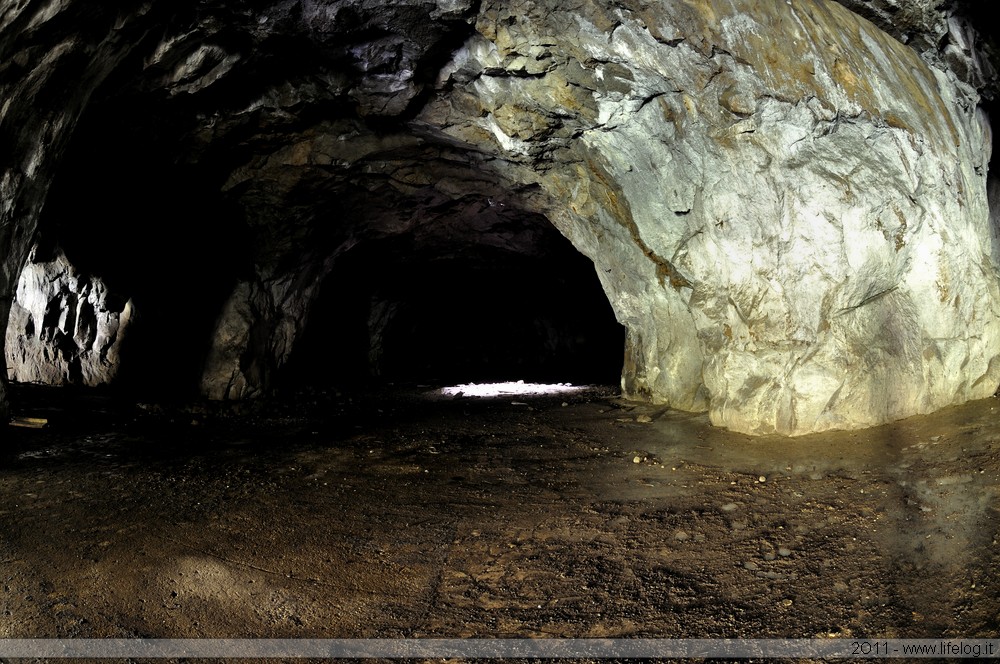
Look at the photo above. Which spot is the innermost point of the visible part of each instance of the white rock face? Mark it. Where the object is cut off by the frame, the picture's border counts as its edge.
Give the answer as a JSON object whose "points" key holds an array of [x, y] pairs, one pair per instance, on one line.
{"points": [[64, 328], [786, 206]]}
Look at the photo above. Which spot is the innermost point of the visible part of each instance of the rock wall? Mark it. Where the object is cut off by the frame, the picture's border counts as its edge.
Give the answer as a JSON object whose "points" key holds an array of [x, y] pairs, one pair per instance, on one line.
{"points": [[64, 328], [255, 333], [54, 56], [787, 207]]}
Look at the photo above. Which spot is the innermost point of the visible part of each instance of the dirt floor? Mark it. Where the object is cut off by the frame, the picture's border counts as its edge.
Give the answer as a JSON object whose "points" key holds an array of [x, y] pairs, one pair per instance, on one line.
{"points": [[397, 515]]}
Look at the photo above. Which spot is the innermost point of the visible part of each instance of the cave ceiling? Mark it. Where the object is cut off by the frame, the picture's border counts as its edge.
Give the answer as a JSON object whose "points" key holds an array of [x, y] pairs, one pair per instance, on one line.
{"points": [[307, 114]]}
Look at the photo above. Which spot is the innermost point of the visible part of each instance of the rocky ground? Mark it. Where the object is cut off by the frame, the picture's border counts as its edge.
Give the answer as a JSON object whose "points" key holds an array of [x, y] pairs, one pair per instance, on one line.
{"points": [[397, 515]]}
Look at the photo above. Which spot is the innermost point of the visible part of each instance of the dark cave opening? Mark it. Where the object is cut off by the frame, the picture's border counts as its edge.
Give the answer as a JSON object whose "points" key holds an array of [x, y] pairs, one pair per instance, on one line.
{"points": [[470, 303], [389, 313], [475, 292], [991, 108], [157, 231]]}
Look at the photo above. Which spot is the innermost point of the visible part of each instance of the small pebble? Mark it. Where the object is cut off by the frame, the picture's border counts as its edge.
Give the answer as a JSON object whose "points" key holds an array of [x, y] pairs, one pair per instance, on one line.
{"points": [[681, 536], [784, 553], [761, 479], [750, 565], [637, 459], [729, 507], [786, 603], [769, 556], [644, 419], [565, 403]]}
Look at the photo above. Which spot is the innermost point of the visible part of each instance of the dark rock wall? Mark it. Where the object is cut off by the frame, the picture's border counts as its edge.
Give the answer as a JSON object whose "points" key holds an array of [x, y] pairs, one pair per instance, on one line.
{"points": [[53, 57]]}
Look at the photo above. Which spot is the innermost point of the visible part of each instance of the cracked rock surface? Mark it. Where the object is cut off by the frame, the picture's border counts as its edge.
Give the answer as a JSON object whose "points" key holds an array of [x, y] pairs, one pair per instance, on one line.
{"points": [[64, 328], [794, 231], [785, 203]]}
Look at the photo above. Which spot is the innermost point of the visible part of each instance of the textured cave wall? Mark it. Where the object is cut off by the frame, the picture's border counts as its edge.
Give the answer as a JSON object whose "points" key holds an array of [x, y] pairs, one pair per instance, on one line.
{"points": [[947, 34], [65, 328], [53, 56], [793, 230], [786, 206]]}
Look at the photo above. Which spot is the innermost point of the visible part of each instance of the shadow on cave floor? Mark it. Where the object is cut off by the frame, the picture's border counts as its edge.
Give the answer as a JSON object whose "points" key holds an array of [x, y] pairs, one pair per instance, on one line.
{"points": [[389, 514]]}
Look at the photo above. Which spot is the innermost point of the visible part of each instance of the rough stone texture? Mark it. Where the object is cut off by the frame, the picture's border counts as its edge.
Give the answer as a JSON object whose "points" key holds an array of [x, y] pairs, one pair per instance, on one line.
{"points": [[793, 230], [64, 328], [946, 34], [254, 335], [786, 206], [53, 56]]}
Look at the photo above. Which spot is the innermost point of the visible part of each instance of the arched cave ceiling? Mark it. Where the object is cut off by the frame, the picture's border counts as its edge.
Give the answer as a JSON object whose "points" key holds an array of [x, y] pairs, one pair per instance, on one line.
{"points": [[238, 151]]}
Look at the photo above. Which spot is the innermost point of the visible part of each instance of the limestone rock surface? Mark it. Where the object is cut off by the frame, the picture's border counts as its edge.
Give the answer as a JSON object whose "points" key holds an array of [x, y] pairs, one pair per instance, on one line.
{"points": [[64, 328], [254, 335]]}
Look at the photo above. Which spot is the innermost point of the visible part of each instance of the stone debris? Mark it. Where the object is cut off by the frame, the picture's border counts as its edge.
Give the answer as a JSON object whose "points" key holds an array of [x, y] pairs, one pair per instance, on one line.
{"points": [[30, 422]]}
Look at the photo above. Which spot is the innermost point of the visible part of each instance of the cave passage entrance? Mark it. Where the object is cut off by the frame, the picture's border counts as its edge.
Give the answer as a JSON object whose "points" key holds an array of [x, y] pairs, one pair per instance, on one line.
{"points": [[126, 209], [402, 310]]}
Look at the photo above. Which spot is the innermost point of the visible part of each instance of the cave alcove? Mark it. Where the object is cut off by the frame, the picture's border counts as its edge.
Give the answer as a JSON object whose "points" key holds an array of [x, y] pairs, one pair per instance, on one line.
{"points": [[126, 207]]}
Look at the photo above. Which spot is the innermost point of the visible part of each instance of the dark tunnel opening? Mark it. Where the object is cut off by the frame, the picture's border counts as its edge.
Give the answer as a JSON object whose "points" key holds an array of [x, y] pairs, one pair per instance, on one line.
{"points": [[389, 314], [447, 302], [157, 231], [474, 292], [991, 107]]}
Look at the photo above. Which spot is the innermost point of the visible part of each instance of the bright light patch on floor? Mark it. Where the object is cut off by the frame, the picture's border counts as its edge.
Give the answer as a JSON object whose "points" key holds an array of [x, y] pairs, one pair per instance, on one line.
{"points": [[505, 389]]}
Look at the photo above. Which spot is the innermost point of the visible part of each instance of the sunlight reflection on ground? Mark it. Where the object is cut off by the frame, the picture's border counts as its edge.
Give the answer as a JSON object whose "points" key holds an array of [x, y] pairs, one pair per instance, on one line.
{"points": [[502, 389]]}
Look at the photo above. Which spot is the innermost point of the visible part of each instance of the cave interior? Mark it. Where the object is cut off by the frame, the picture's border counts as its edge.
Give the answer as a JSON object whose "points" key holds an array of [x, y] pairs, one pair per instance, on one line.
{"points": [[407, 286]]}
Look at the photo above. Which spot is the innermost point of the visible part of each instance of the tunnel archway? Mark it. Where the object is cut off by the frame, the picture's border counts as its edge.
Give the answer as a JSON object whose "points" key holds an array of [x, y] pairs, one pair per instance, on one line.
{"points": [[476, 287], [390, 311]]}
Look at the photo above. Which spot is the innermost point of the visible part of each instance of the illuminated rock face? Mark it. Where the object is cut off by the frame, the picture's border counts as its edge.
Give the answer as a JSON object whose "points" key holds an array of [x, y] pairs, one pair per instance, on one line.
{"points": [[64, 328], [786, 206]]}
